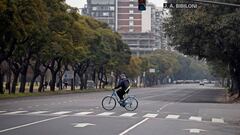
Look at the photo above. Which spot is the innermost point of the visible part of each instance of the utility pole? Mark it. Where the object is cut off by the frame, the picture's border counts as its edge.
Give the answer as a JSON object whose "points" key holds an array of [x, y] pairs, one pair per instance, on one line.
{"points": [[217, 3]]}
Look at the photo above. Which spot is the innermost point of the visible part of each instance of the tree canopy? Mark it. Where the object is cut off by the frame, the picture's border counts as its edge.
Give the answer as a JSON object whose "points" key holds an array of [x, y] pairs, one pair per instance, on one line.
{"points": [[210, 32]]}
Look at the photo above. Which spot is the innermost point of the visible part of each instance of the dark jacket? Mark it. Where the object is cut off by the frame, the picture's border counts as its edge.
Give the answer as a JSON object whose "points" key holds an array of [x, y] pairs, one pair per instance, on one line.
{"points": [[123, 84]]}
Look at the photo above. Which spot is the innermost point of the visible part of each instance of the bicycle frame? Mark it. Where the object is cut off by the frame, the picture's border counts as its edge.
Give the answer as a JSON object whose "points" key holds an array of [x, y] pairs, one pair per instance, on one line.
{"points": [[127, 104], [114, 94]]}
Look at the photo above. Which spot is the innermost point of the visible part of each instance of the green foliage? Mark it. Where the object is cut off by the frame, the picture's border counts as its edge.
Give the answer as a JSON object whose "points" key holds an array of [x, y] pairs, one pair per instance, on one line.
{"points": [[210, 32], [174, 65], [51, 34]]}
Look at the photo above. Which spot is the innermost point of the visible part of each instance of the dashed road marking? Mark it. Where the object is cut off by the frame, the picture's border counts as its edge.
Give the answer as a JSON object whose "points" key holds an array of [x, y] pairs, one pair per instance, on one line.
{"points": [[106, 114], [217, 120], [29, 124], [172, 116], [128, 114], [61, 112], [195, 118], [150, 115], [38, 112], [16, 112], [82, 113]]}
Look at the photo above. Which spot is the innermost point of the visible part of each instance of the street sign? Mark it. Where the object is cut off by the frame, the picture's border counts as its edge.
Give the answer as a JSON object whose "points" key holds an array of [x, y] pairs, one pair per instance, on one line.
{"points": [[152, 70], [180, 5]]}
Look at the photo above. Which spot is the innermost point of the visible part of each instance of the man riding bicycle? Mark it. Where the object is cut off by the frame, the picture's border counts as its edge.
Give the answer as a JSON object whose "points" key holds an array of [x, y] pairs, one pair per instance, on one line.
{"points": [[124, 84]]}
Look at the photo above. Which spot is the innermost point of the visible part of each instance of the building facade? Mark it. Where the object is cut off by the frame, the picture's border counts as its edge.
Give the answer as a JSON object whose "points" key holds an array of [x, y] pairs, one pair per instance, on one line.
{"points": [[102, 10], [139, 29]]}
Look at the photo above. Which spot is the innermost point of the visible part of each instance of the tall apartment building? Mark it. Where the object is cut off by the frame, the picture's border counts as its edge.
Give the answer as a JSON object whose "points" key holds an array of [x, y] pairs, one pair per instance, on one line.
{"points": [[138, 28], [102, 10], [135, 26]]}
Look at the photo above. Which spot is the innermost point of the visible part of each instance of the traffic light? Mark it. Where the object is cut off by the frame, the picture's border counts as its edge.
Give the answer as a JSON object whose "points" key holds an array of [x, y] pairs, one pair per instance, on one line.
{"points": [[141, 5]]}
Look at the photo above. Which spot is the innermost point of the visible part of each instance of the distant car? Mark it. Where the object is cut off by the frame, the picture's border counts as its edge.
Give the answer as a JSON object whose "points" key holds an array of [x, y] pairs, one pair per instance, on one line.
{"points": [[201, 83]]}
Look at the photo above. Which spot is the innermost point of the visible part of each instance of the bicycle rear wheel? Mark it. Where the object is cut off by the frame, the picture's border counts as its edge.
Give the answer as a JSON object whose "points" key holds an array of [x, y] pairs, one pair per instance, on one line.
{"points": [[108, 103], [131, 104]]}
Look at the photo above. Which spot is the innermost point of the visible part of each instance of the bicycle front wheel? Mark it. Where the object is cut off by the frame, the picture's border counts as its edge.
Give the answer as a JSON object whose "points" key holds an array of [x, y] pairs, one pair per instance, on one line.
{"points": [[108, 103], [131, 104]]}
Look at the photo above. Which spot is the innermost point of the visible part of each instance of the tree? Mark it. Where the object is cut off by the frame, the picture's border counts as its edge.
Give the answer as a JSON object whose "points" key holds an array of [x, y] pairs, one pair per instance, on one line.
{"points": [[209, 32], [20, 20]]}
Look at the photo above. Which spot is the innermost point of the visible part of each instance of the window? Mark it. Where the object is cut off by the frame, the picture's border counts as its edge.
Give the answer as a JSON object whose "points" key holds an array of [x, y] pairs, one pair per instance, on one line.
{"points": [[131, 11], [105, 14], [131, 5], [131, 30], [131, 17], [94, 8], [131, 23], [112, 8]]}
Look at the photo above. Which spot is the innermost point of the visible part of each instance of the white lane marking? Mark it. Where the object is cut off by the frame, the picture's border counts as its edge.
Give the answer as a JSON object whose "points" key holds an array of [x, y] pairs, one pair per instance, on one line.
{"points": [[195, 118], [128, 114], [217, 120], [194, 130], [83, 124], [61, 112], [16, 112], [38, 112], [2, 111], [180, 100], [164, 106], [29, 124], [172, 117], [150, 115], [106, 114], [127, 130], [83, 113]]}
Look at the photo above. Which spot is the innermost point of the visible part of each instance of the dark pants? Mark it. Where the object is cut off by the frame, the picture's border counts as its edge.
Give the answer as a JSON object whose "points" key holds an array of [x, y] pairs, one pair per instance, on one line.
{"points": [[120, 93]]}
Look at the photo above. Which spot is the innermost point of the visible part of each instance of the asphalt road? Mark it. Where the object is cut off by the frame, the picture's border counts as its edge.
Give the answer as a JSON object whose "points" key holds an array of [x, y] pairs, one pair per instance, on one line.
{"points": [[166, 110]]}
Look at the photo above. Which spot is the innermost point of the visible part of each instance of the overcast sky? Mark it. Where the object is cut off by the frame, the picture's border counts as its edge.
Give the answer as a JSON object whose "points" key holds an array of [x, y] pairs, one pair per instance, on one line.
{"points": [[80, 3]]}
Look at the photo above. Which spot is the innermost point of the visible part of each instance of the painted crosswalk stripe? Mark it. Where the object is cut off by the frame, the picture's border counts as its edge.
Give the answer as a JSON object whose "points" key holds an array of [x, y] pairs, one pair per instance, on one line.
{"points": [[16, 112], [128, 114], [61, 112], [217, 120], [150, 115], [172, 117], [83, 113], [2, 111], [105, 114], [194, 118], [38, 112]]}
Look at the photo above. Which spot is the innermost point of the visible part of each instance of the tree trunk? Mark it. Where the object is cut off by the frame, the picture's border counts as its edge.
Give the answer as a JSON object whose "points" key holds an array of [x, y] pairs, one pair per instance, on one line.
{"points": [[85, 80], [235, 75], [41, 85], [14, 83], [81, 81], [23, 80], [1, 82], [53, 81], [32, 83], [8, 81]]}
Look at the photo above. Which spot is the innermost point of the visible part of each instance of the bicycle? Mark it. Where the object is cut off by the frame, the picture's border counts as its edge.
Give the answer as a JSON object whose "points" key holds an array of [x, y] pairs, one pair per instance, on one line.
{"points": [[109, 102]]}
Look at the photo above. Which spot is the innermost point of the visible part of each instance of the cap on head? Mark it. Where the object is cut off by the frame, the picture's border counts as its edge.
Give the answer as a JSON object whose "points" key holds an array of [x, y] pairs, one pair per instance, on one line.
{"points": [[122, 76]]}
